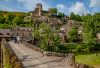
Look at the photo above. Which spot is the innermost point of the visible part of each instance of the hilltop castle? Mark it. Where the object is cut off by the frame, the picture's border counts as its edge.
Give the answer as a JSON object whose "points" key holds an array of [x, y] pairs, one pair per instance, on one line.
{"points": [[40, 12], [39, 15]]}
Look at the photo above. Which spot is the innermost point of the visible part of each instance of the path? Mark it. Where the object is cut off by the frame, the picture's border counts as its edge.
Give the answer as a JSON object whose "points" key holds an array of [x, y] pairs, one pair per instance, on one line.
{"points": [[33, 59]]}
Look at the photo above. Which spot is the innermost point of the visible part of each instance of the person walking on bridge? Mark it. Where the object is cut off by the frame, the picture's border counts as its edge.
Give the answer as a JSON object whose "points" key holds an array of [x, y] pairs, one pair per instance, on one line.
{"points": [[18, 39]]}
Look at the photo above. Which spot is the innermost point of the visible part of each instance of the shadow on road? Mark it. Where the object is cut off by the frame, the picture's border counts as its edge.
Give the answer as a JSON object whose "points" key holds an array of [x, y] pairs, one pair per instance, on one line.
{"points": [[26, 58], [57, 60]]}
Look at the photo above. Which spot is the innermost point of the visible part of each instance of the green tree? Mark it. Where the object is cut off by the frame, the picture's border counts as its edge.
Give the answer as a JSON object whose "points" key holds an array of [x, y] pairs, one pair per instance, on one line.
{"points": [[56, 39], [60, 15], [2, 20], [54, 11], [78, 18], [17, 21], [88, 35], [72, 16], [72, 35], [45, 34]]}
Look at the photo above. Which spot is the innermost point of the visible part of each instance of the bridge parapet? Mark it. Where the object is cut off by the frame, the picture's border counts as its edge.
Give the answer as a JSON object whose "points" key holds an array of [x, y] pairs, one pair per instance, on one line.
{"points": [[9, 58]]}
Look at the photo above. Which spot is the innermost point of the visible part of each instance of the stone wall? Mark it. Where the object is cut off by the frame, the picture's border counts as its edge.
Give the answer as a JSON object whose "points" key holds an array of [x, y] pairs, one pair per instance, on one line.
{"points": [[9, 57]]}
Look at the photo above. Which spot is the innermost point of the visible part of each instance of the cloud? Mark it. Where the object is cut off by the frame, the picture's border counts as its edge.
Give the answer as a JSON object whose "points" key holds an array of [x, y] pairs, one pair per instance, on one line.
{"points": [[94, 3], [62, 8], [22, 5], [78, 8], [30, 4]]}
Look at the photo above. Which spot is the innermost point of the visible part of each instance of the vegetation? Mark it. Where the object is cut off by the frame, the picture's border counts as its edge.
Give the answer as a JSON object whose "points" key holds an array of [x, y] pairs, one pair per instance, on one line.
{"points": [[9, 19], [60, 15], [89, 59], [73, 36], [49, 40], [54, 11]]}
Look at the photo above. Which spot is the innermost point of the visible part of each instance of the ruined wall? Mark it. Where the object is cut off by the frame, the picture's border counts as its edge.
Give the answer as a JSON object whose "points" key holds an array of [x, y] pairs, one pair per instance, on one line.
{"points": [[38, 10]]}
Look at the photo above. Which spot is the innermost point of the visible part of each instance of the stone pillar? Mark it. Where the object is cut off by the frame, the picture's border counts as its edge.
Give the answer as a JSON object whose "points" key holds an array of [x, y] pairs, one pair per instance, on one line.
{"points": [[39, 6], [70, 59]]}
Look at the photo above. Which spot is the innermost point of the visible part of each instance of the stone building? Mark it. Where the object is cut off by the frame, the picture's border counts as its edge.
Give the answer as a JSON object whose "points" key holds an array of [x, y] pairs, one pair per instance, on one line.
{"points": [[5, 33], [67, 27], [38, 10], [24, 32], [40, 15]]}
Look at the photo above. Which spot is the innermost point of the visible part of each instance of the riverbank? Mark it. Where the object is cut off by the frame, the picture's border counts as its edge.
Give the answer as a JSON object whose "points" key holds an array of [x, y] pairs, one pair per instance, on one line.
{"points": [[92, 59]]}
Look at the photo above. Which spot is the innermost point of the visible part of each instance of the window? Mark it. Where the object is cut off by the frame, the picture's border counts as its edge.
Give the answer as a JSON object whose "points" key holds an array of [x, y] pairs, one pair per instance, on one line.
{"points": [[23, 29], [17, 34], [18, 29], [30, 34], [1, 34], [8, 33]]}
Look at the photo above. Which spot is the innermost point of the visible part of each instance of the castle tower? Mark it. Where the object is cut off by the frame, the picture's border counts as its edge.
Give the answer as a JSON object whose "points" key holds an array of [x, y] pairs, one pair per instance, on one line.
{"points": [[39, 7]]}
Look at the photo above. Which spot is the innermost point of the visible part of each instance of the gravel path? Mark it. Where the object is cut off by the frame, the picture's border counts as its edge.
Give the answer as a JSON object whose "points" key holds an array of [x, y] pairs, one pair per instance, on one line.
{"points": [[33, 59]]}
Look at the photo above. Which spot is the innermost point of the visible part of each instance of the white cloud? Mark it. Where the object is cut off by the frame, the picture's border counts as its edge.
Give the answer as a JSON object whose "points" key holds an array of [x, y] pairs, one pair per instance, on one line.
{"points": [[30, 4], [62, 8], [94, 3], [78, 8]]}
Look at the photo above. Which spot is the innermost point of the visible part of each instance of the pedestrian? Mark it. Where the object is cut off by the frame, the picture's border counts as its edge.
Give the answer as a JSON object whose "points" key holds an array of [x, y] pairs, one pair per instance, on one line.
{"points": [[18, 39]]}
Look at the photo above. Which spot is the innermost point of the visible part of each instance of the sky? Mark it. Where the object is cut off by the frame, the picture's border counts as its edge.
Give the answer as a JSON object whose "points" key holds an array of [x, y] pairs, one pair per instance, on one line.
{"points": [[65, 6]]}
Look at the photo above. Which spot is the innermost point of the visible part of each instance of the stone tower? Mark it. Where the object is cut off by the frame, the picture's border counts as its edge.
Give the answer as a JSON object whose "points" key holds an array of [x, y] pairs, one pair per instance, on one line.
{"points": [[39, 7]]}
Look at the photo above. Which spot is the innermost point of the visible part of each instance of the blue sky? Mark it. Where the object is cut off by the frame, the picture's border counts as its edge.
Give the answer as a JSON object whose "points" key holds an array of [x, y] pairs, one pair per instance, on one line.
{"points": [[66, 6]]}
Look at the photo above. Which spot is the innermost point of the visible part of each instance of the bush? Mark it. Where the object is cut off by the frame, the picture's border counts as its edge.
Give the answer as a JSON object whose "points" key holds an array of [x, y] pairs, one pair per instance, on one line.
{"points": [[78, 48]]}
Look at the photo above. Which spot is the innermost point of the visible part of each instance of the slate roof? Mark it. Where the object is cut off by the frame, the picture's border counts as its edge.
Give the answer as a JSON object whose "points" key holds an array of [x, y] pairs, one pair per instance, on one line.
{"points": [[5, 33], [22, 28]]}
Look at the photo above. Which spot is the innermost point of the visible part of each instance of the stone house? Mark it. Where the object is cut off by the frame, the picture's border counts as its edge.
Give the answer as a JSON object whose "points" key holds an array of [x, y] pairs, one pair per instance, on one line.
{"points": [[4, 33], [67, 27], [24, 32]]}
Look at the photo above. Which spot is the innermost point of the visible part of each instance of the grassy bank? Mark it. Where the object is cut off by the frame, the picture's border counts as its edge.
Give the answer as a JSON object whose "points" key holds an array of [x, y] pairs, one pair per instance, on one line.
{"points": [[89, 59]]}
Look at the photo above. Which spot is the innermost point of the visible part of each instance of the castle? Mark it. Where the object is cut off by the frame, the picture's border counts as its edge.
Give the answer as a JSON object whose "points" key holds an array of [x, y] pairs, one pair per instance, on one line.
{"points": [[39, 15], [39, 12]]}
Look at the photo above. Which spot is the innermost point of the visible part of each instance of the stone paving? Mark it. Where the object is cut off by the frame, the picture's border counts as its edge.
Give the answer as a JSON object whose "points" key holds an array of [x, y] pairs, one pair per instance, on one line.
{"points": [[33, 59]]}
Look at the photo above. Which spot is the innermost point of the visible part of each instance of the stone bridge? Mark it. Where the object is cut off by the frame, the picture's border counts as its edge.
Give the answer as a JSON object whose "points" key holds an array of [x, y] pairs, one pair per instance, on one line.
{"points": [[33, 59], [30, 58]]}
